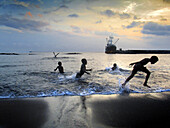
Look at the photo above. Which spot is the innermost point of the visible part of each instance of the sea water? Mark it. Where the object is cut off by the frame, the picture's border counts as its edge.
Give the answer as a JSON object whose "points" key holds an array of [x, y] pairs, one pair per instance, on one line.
{"points": [[34, 76]]}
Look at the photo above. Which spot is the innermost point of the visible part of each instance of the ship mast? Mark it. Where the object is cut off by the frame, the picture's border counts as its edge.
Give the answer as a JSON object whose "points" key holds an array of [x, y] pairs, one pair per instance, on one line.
{"points": [[110, 40]]}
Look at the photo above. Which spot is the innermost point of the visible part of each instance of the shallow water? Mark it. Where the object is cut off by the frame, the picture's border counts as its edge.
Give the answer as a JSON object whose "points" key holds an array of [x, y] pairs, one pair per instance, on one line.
{"points": [[34, 76]]}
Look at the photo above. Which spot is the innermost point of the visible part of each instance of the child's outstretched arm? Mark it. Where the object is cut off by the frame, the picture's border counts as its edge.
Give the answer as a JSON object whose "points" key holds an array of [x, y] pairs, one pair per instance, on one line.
{"points": [[132, 63], [88, 69], [55, 68]]}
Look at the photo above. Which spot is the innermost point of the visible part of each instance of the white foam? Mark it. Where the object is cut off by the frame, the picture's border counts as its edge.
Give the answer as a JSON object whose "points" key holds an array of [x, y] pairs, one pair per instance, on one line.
{"points": [[125, 88], [108, 68], [69, 77]]}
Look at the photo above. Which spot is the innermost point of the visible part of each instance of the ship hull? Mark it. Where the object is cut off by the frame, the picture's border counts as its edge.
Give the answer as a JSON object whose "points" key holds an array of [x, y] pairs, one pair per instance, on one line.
{"points": [[111, 49], [142, 52]]}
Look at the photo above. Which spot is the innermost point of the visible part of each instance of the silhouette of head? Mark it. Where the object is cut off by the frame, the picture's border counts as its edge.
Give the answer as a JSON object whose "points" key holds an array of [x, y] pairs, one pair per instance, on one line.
{"points": [[114, 64], [154, 59], [59, 63], [84, 61]]}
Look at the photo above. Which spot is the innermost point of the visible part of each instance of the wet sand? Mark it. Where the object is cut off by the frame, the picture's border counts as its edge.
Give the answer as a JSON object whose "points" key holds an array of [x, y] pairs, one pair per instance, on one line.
{"points": [[97, 111]]}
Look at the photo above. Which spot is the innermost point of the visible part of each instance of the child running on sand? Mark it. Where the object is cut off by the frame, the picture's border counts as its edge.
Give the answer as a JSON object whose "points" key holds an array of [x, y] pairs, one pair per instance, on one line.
{"points": [[83, 69], [139, 66], [59, 67]]}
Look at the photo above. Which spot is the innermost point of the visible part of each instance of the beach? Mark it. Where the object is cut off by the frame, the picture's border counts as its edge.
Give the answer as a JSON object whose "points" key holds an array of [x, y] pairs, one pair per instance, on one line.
{"points": [[32, 95], [93, 111]]}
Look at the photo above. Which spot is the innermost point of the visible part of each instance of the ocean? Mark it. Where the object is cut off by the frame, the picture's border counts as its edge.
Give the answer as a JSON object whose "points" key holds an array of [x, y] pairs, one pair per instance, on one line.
{"points": [[34, 76]]}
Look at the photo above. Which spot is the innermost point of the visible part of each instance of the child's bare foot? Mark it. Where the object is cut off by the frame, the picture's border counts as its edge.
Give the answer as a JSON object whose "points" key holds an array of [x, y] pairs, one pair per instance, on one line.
{"points": [[146, 85]]}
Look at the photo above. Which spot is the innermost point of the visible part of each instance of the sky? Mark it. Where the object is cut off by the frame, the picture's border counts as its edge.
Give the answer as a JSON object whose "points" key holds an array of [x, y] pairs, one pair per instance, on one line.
{"points": [[83, 25]]}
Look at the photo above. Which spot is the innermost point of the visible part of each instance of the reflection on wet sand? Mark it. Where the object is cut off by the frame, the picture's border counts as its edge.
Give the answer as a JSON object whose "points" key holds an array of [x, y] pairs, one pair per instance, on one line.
{"points": [[23, 113], [83, 99], [97, 111], [128, 111]]}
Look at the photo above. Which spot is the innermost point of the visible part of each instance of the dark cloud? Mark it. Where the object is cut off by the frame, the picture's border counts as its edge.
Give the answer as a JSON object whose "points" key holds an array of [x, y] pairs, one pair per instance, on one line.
{"points": [[167, 1], [21, 24], [156, 29], [163, 19], [62, 7], [73, 15], [124, 16], [136, 18], [133, 24], [110, 13]]}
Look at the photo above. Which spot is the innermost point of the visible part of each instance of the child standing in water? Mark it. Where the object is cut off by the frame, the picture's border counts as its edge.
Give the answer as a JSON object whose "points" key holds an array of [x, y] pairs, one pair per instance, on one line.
{"points": [[114, 66], [139, 66], [83, 69], [59, 67]]}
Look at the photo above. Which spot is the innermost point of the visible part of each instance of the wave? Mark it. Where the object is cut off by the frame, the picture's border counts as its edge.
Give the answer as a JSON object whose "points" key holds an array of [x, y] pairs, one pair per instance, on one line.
{"points": [[48, 84], [55, 58], [10, 66], [91, 89]]}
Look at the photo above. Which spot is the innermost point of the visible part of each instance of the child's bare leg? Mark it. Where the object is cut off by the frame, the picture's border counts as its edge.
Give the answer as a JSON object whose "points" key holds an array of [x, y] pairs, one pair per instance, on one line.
{"points": [[130, 77], [147, 77]]}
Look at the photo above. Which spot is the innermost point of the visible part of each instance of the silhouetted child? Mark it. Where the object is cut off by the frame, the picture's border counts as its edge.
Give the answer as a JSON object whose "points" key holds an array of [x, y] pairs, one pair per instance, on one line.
{"points": [[59, 67], [83, 69], [114, 66], [139, 66]]}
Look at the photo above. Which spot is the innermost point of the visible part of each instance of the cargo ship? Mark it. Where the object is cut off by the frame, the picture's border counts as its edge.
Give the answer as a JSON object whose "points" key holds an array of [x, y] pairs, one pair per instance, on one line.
{"points": [[112, 49]]}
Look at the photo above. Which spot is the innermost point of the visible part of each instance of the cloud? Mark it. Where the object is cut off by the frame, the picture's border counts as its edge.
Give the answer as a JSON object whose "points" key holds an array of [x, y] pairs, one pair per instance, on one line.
{"points": [[168, 1], [98, 22], [124, 16], [110, 13], [133, 24], [73, 15], [21, 24], [41, 1], [40, 15], [135, 18], [21, 3], [103, 33], [130, 7], [12, 7], [156, 29], [163, 19], [75, 29], [60, 8], [64, 6], [28, 14]]}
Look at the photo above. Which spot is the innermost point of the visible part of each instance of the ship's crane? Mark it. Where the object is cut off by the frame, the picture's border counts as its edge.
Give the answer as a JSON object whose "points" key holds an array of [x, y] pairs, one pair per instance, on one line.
{"points": [[116, 41]]}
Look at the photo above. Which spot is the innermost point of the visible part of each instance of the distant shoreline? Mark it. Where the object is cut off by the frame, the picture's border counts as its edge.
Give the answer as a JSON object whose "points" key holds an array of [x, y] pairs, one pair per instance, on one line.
{"points": [[17, 53], [9, 54]]}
